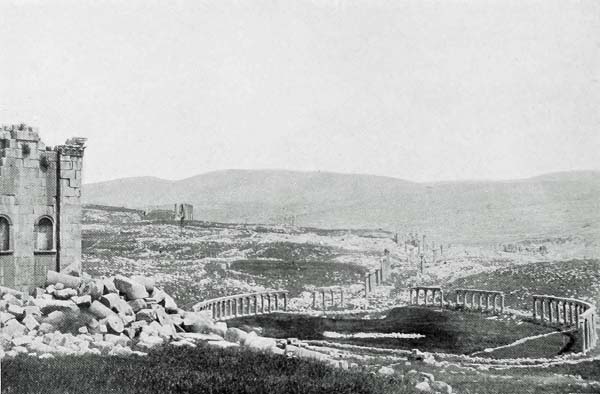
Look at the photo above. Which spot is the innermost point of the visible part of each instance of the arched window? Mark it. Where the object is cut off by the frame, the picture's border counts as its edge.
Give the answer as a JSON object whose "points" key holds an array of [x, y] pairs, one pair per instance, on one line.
{"points": [[44, 234], [4, 233]]}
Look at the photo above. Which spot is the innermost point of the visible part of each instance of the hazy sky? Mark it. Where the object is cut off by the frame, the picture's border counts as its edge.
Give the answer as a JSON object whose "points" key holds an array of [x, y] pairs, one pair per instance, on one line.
{"points": [[420, 90]]}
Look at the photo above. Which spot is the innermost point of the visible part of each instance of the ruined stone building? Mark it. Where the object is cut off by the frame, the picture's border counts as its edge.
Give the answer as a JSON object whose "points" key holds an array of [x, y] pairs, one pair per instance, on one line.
{"points": [[40, 208], [180, 211]]}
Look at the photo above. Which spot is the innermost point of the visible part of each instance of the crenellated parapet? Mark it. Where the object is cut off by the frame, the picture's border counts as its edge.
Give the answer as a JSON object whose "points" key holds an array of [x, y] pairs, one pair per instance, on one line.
{"points": [[40, 206]]}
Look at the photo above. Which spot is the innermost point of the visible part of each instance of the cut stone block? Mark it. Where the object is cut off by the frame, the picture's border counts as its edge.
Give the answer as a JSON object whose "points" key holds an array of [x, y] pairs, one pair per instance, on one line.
{"points": [[65, 294], [99, 310], [30, 322], [146, 281], [137, 305], [83, 301], [48, 306], [53, 277], [17, 311], [130, 288]]}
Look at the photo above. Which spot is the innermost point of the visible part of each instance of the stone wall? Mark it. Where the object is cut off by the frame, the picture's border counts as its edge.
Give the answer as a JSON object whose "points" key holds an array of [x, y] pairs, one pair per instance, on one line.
{"points": [[40, 189]]}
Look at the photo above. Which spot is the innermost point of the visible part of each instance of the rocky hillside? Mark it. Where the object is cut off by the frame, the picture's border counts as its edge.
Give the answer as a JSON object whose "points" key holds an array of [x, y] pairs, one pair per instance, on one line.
{"points": [[559, 204]]}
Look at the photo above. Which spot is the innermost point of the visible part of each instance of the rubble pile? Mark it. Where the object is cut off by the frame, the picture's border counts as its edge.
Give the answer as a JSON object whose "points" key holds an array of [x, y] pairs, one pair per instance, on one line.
{"points": [[117, 316], [81, 315]]}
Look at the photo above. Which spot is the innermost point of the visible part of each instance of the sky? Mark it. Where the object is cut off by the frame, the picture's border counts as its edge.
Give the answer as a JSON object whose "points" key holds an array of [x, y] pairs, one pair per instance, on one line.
{"points": [[419, 90]]}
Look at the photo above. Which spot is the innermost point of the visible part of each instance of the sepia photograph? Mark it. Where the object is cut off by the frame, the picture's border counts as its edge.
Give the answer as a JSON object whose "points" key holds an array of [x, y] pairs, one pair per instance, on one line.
{"points": [[299, 196]]}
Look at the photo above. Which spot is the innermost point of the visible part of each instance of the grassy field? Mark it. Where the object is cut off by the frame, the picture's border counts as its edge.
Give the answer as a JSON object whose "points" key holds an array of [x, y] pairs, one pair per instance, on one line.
{"points": [[574, 278], [184, 370], [444, 331]]}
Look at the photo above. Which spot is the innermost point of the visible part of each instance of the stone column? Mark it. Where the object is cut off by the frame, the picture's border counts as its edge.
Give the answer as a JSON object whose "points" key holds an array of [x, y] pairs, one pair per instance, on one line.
{"points": [[426, 291], [543, 309], [262, 303], [564, 308], [550, 311], [487, 302], [442, 298], [314, 300], [323, 296], [268, 303], [473, 300], [577, 315], [284, 301], [502, 303], [255, 305], [276, 296], [341, 297], [331, 293], [534, 309]]}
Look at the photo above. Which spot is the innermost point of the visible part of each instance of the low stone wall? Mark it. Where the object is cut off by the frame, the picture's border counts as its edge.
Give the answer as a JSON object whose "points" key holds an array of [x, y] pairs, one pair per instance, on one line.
{"points": [[233, 306], [568, 312]]}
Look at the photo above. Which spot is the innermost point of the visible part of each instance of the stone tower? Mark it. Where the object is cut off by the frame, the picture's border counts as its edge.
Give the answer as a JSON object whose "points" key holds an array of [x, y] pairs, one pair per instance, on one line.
{"points": [[40, 206]]}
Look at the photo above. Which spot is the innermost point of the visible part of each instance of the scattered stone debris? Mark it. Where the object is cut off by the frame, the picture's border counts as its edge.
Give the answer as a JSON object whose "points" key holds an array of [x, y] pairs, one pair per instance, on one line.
{"points": [[118, 316]]}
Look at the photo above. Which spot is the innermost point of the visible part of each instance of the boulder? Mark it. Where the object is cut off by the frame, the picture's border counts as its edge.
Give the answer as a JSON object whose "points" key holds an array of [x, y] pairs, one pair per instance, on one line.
{"points": [[30, 322], [386, 371], [99, 310], [53, 277], [116, 304], [220, 328], [17, 311], [147, 315], [56, 318], [114, 324], [222, 344], [59, 286], [137, 305], [46, 328], [117, 339], [47, 306], [198, 322], [235, 335], [146, 281], [423, 387], [92, 288], [83, 301], [255, 342], [32, 310], [13, 328], [132, 289], [441, 387], [5, 316], [65, 294], [109, 286]]}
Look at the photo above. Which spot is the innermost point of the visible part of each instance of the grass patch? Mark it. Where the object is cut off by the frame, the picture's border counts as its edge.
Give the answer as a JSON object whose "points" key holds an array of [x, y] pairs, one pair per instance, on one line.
{"points": [[445, 331], [184, 370], [294, 276], [574, 278]]}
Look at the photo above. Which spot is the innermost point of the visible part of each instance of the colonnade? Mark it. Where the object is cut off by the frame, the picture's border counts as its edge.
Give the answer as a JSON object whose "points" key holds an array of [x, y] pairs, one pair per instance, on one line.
{"points": [[327, 296], [427, 290], [474, 299], [244, 304], [568, 312]]}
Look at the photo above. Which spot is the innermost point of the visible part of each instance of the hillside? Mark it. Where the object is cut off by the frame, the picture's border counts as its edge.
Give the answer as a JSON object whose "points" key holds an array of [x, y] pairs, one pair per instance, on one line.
{"points": [[560, 204]]}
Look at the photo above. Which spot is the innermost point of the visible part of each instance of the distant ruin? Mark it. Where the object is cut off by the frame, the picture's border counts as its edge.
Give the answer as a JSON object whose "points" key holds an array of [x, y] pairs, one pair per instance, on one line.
{"points": [[179, 212], [40, 206]]}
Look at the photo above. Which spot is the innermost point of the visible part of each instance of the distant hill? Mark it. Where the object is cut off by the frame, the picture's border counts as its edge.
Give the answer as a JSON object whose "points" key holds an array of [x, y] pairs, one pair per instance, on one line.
{"points": [[558, 204]]}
